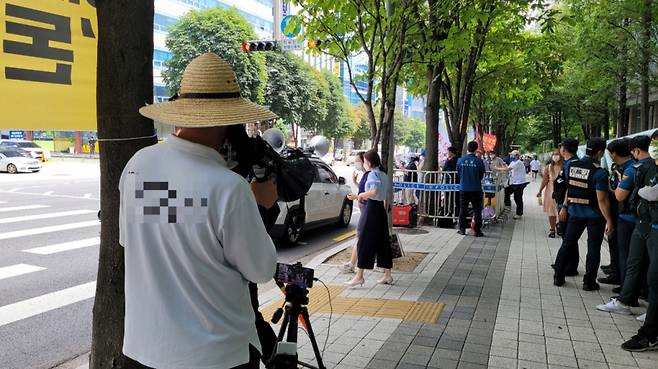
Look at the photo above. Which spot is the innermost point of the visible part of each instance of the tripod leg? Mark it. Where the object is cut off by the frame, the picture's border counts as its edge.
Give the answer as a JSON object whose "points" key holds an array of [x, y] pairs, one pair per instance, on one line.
{"points": [[311, 335]]}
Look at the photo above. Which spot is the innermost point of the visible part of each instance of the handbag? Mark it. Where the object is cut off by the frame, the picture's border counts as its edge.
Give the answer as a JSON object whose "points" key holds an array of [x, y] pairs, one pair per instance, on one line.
{"points": [[396, 247]]}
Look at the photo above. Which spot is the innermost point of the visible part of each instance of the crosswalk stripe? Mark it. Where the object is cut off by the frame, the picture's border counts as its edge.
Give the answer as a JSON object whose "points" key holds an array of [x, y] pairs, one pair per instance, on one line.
{"points": [[41, 304], [66, 246], [42, 230], [45, 216], [18, 269], [26, 207]]}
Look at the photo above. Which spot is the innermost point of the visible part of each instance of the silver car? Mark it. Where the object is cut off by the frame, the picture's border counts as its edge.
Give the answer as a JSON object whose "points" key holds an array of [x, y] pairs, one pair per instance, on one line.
{"points": [[13, 161]]}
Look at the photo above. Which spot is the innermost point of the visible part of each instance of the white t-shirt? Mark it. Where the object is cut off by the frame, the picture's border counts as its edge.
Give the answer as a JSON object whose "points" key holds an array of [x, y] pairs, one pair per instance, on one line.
{"points": [[535, 165], [518, 175], [193, 238]]}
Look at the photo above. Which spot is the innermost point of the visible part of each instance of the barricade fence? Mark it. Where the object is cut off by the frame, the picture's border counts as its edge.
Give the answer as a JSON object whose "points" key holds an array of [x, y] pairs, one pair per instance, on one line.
{"points": [[437, 193]]}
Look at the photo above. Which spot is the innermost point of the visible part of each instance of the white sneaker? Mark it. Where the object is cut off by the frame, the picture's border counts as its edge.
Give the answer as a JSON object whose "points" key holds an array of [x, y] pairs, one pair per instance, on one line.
{"points": [[614, 306], [347, 267], [518, 216], [642, 317]]}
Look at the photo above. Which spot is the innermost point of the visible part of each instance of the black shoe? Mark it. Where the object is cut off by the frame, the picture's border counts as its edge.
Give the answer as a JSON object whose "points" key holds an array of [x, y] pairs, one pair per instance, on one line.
{"points": [[551, 234], [606, 268], [633, 304], [611, 279], [558, 281], [640, 344], [616, 289], [591, 286], [462, 232], [479, 234]]}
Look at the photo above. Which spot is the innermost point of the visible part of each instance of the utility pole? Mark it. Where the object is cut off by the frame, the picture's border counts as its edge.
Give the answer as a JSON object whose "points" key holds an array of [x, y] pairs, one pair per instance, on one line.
{"points": [[277, 12]]}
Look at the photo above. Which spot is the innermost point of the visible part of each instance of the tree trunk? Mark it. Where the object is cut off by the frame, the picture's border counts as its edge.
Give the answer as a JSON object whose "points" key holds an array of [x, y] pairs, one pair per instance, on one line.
{"points": [[645, 51], [606, 124], [432, 111], [124, 84]]}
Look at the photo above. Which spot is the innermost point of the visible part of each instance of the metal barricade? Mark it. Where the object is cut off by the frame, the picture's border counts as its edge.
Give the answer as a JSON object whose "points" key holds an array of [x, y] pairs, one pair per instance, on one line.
{"points": [[437, 194]]}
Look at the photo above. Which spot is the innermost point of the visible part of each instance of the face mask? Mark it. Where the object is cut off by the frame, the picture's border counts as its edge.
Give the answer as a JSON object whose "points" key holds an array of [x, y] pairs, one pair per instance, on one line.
{"points": [[359, 166], [556, 158]]}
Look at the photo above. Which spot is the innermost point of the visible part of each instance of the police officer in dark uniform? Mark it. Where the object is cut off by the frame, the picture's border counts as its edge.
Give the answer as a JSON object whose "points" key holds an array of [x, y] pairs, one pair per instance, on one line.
{"points": [[621, 160], [642, 262], [588, 206], [568, 150], [643, 256]]}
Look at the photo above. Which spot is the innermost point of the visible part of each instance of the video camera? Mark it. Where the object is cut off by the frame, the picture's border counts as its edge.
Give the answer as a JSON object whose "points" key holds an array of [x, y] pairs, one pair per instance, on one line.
{"points": [[261, 160], [294, 274]]}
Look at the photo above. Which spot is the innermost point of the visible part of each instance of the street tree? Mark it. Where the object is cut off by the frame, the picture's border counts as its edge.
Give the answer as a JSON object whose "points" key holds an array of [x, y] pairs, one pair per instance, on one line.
{"points": [[222, 32], [370, 38], [124, 84]]}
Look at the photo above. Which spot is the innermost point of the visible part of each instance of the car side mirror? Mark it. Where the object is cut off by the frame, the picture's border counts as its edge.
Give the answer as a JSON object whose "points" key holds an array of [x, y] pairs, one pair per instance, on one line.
{"points": [[341, 181]]}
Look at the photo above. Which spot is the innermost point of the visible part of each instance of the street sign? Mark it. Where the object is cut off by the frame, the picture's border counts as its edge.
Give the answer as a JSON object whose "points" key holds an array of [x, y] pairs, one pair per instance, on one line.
{"points": [[16, 135], [284, 24], [290, 45]]}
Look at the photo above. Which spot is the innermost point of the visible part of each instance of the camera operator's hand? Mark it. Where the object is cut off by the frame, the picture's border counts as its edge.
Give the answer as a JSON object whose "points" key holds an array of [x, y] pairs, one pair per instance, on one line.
{"points": [[265, 192]]}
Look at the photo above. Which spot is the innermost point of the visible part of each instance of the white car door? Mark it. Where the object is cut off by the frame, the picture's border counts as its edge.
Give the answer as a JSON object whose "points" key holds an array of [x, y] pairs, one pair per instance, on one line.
{"points": [[330, 191], [314, 201]]}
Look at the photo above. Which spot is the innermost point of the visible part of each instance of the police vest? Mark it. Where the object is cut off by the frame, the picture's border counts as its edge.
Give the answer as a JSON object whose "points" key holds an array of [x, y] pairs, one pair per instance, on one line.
{"points": [[641, 173], [647, 175], [560, 184], [579, 185]]}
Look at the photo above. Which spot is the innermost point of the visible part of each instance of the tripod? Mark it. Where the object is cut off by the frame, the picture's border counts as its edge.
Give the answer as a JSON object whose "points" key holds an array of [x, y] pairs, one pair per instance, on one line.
{"points": [[296, 301]]}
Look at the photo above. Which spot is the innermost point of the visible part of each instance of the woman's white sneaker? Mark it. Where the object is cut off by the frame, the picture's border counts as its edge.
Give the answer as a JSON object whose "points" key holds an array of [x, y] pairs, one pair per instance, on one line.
{"points": [[615, 306], [642, 317]]}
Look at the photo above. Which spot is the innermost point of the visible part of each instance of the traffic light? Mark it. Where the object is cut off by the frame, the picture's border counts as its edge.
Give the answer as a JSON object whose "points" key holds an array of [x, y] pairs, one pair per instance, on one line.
{"points": [[313, 44], [250, 46]]}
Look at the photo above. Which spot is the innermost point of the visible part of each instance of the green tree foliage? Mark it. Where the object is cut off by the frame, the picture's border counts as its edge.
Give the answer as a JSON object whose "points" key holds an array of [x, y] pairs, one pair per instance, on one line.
{"points": [[338, 122], [221, 31]]}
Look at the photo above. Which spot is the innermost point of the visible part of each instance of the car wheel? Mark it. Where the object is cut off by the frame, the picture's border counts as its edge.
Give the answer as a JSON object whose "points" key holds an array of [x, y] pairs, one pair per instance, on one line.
{"points": [[11, 168], [345, 214], [294, 226]]}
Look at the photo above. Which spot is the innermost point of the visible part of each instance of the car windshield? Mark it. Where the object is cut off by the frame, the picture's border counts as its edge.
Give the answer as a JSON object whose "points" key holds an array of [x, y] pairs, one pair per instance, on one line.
{"points": [[27, 144], [11, 154]]}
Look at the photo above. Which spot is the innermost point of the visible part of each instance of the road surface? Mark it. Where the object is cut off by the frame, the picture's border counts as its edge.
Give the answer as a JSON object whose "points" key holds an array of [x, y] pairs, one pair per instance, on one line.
{"points": [[49, 236]]}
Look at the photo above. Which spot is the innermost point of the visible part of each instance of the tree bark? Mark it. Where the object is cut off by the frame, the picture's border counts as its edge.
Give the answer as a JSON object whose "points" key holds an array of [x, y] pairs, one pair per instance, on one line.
{"points": [[645, 51], [432, 111], [124, 84]]}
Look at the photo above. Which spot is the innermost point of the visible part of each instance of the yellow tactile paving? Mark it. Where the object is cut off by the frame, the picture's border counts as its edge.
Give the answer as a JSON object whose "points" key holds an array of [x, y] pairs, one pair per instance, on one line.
{"points": [[421, 311]]}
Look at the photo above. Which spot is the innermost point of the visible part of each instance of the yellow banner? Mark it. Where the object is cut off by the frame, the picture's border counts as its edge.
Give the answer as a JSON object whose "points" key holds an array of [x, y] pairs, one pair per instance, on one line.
{"points": [[48, 64]]}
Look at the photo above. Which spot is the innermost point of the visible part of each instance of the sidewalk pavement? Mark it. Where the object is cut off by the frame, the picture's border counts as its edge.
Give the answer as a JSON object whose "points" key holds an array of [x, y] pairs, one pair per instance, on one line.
{"points": [[498, 307], [501, 308]]}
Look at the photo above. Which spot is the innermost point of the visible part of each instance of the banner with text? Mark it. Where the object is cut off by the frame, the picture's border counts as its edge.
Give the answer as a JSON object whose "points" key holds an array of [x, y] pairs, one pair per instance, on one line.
{"points": [[48, 64]]}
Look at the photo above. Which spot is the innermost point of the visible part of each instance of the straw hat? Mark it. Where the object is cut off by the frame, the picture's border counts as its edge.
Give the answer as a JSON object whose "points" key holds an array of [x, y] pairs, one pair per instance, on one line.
{"points": [[515, 153], [209, 97]]}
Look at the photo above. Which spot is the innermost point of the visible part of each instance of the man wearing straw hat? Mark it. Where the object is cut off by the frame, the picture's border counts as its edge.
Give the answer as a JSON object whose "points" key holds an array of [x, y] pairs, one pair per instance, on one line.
{"points": [[192, 232]]}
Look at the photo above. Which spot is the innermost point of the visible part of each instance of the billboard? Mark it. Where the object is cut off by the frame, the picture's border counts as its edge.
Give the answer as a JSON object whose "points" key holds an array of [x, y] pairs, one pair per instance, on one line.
{"points": [[48, 64]]}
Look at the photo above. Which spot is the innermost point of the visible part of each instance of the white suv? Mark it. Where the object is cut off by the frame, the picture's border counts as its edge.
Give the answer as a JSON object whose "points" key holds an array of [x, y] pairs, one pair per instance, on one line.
{"points": [[326, 203]]}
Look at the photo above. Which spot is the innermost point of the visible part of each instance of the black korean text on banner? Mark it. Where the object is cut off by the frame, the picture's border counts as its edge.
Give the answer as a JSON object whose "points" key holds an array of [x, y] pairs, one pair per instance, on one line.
{"points": [[48, 64]]}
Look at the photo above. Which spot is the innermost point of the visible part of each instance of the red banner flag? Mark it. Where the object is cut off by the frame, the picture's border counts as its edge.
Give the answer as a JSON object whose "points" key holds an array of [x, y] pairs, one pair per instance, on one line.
{"points": [[489, 142]]}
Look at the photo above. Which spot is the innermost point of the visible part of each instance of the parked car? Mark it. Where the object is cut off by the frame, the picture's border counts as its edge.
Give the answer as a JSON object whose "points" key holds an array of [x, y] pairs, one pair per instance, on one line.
{"points": [[326, 203], [338, 155], [350, 159], [35, 150], [13, 161]]}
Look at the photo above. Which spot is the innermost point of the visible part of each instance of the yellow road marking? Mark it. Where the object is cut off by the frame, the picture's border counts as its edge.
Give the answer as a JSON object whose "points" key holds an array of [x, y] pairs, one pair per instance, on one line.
{"points": [[421, 311], [345, 236]]}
